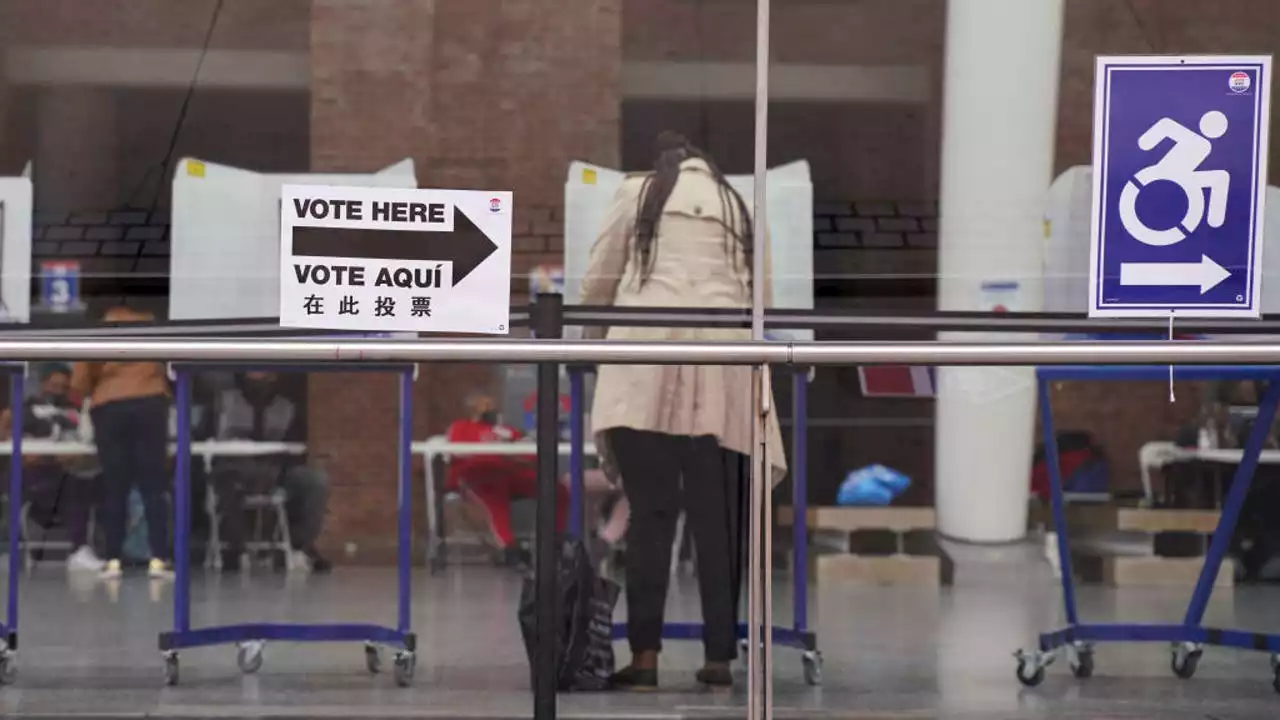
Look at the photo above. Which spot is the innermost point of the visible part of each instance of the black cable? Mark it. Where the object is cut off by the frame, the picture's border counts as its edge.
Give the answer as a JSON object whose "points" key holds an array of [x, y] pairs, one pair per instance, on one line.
{"points": [[704, 114], [1142, 26], [167, 162]]}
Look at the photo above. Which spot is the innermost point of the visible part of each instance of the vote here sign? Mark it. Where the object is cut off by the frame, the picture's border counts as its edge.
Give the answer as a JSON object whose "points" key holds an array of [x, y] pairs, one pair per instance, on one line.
{"points": [[392, 259]]}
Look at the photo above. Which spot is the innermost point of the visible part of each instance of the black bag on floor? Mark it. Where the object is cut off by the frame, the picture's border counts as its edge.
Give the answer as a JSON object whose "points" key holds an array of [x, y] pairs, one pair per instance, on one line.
{"points": [[584, 608]]}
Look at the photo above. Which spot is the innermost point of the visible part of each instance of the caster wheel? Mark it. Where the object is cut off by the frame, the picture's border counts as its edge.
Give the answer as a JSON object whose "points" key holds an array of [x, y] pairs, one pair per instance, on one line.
{"points": [[1082, 664], [404, 665], [1184, 661], [372, 658], [249, 657], [1030, 672], [812, 668], [8, 667], [171, 668]]}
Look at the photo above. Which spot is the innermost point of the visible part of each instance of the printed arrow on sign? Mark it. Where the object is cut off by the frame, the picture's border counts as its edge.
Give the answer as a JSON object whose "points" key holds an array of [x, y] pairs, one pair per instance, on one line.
{"points": [[1207, 274], [466, 247]]}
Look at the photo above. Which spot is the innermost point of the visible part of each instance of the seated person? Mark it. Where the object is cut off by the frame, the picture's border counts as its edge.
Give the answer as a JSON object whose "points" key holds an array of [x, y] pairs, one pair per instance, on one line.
{"points": [[58, 486], [255, 408], [495, 480]]}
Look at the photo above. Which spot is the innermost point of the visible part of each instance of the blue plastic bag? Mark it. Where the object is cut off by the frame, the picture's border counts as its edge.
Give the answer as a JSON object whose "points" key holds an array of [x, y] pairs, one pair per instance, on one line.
{"points": [[872, 485]]}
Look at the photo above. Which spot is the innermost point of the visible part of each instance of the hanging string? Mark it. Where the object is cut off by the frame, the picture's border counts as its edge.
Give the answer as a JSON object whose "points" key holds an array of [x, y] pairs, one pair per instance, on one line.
{"points": [[1171, 397]]}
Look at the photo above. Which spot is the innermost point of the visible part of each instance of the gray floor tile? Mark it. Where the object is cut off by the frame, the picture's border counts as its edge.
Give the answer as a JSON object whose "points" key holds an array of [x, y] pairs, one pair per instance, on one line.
{"points": [[89, 650]]}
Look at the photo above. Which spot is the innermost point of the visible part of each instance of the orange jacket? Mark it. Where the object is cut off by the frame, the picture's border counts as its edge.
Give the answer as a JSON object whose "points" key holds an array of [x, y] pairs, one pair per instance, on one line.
{"points": [[108, 382]]}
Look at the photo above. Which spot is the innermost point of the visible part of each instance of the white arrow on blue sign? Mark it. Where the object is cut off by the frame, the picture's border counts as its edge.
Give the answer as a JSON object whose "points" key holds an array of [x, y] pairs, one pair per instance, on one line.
{"points": [[1179, 182]]}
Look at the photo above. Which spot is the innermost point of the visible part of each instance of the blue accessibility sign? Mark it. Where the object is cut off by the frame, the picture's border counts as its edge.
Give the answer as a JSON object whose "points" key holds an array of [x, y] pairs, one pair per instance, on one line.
{"points": [[1179, 182]]}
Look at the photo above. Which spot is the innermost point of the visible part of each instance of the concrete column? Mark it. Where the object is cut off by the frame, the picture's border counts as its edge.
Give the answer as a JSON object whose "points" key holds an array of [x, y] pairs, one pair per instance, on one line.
{"points": [[77, 149], [1002, 72]]}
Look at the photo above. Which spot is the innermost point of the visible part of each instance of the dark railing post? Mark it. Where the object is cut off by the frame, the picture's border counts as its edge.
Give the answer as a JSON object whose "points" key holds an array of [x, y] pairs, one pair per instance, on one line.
{"points": [[548, 323]]}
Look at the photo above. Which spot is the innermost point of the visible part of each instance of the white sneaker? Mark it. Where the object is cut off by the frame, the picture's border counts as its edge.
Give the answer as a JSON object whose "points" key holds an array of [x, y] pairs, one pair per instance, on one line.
{"points": [[299, 561], [84, 560], [111, 571], [159, 570]]}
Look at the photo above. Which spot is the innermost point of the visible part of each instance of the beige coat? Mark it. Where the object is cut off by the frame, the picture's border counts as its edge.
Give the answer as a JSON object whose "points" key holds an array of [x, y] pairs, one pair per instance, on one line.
{"points": [[691, 268]]}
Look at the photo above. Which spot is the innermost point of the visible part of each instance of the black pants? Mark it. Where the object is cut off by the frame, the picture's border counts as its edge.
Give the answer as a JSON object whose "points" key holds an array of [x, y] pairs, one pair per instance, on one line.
{"points": [[654, 468], [133, 437]]}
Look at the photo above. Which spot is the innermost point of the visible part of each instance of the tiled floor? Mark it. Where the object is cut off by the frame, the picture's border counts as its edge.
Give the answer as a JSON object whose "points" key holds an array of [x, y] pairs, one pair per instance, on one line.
{"points": [[89, 650]]}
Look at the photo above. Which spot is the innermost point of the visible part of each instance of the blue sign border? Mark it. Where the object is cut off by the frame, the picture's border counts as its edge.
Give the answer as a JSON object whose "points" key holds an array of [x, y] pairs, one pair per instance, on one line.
{"points": [[1101, 123]]}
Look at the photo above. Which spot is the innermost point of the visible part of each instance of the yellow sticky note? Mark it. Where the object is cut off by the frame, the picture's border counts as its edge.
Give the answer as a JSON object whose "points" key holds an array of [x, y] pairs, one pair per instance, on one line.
{"points": [[589, 177], [195, 168]]}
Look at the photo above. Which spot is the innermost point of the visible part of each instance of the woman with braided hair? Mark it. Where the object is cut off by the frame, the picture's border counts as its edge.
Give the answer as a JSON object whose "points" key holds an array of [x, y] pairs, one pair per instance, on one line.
{"points": [[679, 436]]}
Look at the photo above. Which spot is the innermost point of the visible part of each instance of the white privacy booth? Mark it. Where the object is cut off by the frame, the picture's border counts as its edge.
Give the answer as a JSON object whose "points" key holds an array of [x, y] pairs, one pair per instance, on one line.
{"points": [[589, 193], [15, 248], [226, 236], [1066, 264]]}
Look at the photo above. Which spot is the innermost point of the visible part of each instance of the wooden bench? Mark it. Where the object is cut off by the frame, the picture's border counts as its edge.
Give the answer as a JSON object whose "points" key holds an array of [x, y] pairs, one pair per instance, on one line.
{"points": [[874, 545]]}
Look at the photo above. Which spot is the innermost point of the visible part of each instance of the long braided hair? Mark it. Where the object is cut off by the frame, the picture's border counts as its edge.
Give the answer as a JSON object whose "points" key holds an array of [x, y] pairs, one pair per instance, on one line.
{"points": [[673, 149]]}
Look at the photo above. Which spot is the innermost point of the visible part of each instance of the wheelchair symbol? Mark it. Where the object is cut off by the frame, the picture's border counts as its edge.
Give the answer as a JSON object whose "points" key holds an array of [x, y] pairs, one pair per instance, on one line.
{"points": [[1180, 165]]}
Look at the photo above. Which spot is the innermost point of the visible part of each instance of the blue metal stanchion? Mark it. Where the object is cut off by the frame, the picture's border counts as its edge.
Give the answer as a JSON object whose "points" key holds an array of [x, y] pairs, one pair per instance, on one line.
{"points": [[404, 497], [797, 636], [9, 630], [1191, 636], [251, 637]]}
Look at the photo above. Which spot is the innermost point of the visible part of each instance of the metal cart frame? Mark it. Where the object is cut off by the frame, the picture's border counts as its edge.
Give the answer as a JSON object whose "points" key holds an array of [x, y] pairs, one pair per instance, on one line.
{"points": [[1188, 639], [251, 638], [797, 636]]}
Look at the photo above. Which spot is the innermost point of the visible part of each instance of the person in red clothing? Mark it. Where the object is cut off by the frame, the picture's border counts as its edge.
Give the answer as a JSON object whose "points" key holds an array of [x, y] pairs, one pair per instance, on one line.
{"points": [[495, 480]]}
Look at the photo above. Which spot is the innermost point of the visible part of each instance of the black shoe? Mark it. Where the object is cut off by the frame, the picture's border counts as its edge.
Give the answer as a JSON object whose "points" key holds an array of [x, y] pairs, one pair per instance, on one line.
{"points": [[631, 678], [231, 561], [514, 556], [717, 675], [319, 564]]}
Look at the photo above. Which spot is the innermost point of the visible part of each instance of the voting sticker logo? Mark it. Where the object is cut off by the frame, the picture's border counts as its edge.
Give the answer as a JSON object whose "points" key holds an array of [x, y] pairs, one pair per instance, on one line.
{"points": [[1240, 82], [495, 205]]}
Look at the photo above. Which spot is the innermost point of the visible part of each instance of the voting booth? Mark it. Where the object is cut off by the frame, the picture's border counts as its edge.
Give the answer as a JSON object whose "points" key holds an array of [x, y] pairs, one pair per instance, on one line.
{"points": [[15, 248], [226, 236], [226, 263], [590, 190]]}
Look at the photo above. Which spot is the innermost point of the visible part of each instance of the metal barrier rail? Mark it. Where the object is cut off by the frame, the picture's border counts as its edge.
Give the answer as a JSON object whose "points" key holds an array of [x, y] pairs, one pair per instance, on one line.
{"points": [[550, 353], [827, 319], [642, 353]]}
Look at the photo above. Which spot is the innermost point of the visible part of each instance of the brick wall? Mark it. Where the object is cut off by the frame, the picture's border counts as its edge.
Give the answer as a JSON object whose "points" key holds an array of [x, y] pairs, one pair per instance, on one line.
{"points": [[242, 25], [6, 27], [1099, 27], [485, 94], [877, 32]]}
